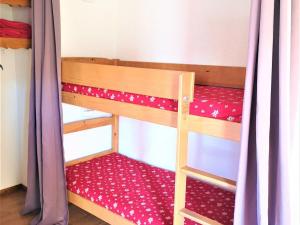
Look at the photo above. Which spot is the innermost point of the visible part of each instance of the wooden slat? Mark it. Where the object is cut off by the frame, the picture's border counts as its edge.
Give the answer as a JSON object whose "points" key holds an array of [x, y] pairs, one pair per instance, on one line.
{"points": [[203, 125], [87, 124], [23, 3], [214, 127], [103, 61], [138, 112], [210, 178], [89, 157], [224, 76], [98, 211], [15, 43], [198, 218], [159, 83]]}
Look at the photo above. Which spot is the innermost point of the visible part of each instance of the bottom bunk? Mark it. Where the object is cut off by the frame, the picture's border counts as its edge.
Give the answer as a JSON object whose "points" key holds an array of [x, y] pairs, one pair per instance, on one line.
{"points": [[141, 193]]}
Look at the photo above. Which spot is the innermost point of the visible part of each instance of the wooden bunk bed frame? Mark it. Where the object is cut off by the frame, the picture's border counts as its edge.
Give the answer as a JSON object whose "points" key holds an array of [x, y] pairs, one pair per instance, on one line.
{"points": [[173, 83]]}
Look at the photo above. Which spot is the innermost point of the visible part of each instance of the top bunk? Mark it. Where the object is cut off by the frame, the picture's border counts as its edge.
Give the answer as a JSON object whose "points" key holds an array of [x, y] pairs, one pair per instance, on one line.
{"points": [[132, 89]]}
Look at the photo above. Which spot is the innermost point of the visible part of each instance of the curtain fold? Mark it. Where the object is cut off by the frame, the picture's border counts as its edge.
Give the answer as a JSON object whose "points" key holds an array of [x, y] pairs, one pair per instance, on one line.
{"points": [[46, 191], [264, 190]]}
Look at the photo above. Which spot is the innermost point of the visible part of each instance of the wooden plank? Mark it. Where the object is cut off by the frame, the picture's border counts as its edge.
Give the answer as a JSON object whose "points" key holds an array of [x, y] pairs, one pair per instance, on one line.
{"points": [[223, 76], [182, 151], [160, 83], [203, 125], [115, 133], [196, 217], [98, 211], [210, 178], [104, 61], [214, 127], [138, 112], [15, 43], [23, 3], [89, 157], [87, 124]]}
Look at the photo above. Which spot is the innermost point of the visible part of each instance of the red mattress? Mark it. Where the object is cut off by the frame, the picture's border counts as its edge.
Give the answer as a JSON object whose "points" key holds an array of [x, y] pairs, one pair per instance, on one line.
{"points": [[209, 101], [13, 29], [142, 193]]}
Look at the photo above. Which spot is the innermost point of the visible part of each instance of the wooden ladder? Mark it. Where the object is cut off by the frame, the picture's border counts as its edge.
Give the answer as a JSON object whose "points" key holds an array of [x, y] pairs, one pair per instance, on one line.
{"points": [[183, 170]]}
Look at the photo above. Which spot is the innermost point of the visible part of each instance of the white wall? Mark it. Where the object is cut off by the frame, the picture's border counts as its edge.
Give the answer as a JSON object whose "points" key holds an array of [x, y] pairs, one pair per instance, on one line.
{"points": [[88, 27], [194, 31], [23, 71], [22, 14], [14, 106], [14, 116], [156, 145]]}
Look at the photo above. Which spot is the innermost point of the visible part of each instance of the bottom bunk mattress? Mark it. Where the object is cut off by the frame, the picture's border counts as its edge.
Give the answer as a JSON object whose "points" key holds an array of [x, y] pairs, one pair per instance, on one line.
{"points": [[142, 193]]}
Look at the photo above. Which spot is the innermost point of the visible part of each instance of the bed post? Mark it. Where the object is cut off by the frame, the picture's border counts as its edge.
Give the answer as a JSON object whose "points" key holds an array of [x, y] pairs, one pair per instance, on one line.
{"points": [[115, 133], [182, 149]]}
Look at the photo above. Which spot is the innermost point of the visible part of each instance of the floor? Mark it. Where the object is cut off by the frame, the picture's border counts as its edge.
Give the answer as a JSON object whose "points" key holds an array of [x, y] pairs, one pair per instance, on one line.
{"points": [[12, 203]]}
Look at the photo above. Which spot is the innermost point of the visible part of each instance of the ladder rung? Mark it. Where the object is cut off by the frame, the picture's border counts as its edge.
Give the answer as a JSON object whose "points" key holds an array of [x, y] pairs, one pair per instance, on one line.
{"points": [[210, 178], [196, 217]]}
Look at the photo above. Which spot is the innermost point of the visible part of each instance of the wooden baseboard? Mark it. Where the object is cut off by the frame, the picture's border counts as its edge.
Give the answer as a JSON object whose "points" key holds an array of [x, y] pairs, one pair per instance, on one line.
{"points": [[13, 189]]}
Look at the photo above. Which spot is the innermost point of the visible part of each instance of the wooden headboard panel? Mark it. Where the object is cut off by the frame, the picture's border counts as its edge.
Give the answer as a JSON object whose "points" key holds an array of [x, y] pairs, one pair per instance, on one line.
{"points": [[161, 83], [224, 76]]}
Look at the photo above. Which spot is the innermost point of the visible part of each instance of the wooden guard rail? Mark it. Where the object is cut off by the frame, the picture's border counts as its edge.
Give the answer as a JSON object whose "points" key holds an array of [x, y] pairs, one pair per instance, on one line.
{"points": [[160, 83], [87, 124], [223, 76]]}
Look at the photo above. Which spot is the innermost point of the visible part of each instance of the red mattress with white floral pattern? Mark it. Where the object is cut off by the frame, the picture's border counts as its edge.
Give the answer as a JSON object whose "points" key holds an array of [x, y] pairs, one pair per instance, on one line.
{"points": [[209, 101], [142, 193], [14, 29]]}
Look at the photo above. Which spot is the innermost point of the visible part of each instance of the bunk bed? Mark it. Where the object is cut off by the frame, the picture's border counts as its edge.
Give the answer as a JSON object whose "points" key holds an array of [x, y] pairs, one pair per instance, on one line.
{"points": [[111, 186]]}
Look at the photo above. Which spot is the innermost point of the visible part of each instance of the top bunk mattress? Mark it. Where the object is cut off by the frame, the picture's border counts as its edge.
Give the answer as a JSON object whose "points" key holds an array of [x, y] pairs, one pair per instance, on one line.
{"points": [[142, 193], [209, 101]]}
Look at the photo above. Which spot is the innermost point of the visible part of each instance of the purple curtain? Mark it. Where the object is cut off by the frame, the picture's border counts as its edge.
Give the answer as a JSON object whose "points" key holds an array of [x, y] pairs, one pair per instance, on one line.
{"points": [[264, 181], [46, 191]]}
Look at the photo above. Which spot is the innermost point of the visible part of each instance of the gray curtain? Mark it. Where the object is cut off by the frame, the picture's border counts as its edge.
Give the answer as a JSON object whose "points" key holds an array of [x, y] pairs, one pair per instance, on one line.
{"points": [[46, 191], [264, 189]]}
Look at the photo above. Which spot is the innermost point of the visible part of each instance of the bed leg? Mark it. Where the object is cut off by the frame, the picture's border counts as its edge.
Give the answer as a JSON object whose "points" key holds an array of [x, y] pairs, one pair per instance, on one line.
{"points": [[115, 133]]}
